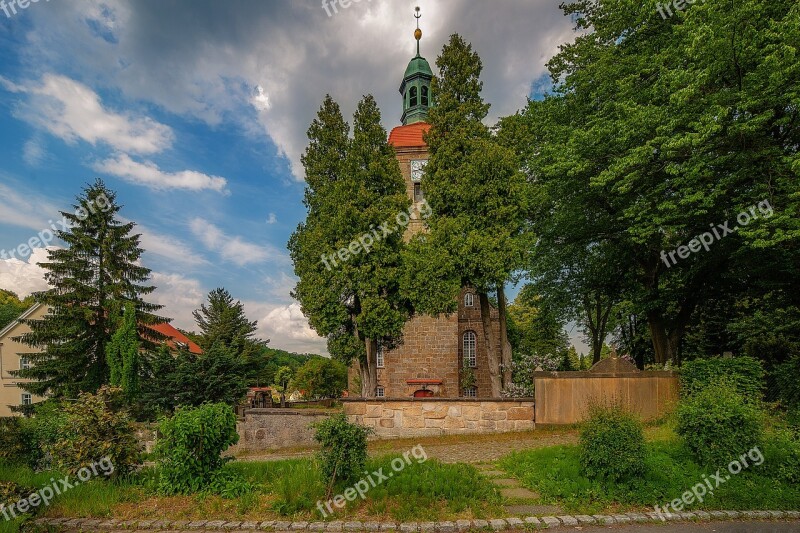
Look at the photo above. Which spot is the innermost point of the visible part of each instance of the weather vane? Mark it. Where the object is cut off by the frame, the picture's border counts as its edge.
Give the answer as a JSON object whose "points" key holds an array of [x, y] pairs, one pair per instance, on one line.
{"points": [[417, 32]]}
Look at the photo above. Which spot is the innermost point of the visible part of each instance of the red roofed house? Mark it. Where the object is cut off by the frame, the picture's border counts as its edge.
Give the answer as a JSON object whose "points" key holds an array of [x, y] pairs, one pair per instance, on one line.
{"points": [[175, 339], [443, 357]]}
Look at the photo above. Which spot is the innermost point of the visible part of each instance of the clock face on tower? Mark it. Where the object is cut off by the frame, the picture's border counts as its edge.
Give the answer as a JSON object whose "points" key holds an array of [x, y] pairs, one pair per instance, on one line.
{"points": [[417, 169]]}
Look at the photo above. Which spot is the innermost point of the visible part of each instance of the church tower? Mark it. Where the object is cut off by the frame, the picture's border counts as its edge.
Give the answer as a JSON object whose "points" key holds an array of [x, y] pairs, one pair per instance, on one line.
{"points": [[416, 86]]}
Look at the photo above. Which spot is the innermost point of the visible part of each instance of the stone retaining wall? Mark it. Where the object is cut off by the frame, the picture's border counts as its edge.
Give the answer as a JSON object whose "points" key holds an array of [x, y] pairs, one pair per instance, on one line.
{"points": [[270, 429], [420, 417]]}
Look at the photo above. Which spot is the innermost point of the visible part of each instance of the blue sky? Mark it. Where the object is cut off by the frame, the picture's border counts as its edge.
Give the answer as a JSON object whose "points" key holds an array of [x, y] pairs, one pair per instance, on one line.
{"points": [[195, 112]]}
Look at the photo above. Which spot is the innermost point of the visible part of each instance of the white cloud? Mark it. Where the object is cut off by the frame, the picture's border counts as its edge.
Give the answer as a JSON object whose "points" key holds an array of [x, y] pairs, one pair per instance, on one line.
{"points": [[25, 209], [149, 175], [287, 328], [72, 111], [234, 249], [24, 277], [179, 295], [33, 152], [272, 219], [167, 247], [261, 99]]}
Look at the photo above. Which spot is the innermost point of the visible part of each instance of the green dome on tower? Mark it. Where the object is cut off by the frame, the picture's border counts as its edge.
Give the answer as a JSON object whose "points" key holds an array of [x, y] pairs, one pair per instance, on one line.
{"points": [[418, 65], [416, 86]]}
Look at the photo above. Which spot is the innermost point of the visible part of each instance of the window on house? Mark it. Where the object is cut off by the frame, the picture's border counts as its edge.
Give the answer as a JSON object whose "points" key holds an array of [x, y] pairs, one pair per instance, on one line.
{"points": [[413, 97], [379, 355], [470, 356], [418, 196], [380, 392], [424, 95], [26, 399], [24, 363], [469, 300], [470, 392]]}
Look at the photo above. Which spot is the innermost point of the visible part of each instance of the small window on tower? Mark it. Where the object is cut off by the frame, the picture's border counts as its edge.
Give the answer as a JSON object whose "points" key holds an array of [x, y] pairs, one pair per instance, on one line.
{"points": [[424, 95], [379, 356], [380, 392], [469, 300], [418, 197], [413, 99]]}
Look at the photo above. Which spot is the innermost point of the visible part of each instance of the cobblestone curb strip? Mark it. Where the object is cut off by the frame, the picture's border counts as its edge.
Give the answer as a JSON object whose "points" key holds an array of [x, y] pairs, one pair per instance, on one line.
{"points": [[497, 524]]}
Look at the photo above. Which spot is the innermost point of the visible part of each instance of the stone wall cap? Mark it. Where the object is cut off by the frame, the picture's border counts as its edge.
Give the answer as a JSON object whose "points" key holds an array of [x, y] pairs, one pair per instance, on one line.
{"points": [[288, 411], [434, 399]]}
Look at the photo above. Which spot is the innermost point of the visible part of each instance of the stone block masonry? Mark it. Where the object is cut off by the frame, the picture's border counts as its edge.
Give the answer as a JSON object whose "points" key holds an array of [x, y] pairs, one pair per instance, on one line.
{"points": [[423, 417], [271, 429]]}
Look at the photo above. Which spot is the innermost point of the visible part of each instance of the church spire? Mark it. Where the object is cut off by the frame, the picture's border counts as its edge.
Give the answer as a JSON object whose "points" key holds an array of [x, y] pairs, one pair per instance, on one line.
{"points": [[416, 86]]}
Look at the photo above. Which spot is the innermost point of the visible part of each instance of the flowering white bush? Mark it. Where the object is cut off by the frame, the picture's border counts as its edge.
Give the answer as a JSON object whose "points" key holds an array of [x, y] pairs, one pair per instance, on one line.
{"points": [[522, 368]]}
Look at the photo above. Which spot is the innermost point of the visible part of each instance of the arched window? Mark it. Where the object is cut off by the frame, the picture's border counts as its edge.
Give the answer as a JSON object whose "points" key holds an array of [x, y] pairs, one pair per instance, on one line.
{"points": [[424, 95], [379, 355], [470, 356], [469, 300], [413, 98]]}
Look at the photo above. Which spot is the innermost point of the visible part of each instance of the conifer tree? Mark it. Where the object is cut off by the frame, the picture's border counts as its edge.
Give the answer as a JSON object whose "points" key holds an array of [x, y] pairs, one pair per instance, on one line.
{"points": [[224, 321], [476, 194], [354, 187], [94, 274]]}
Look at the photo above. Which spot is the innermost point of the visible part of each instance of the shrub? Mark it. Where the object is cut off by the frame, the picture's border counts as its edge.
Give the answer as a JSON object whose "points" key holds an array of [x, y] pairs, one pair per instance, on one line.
{"points": [[746, 374], [718, 424], [344, 448], [16, 442], [96, 427], [788, 384], [783, 456], [189, 451], [612, 443]]}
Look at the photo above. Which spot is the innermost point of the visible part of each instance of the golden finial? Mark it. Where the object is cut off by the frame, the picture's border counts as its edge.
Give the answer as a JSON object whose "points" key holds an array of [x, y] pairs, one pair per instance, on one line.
{"points": [[417, 32]]}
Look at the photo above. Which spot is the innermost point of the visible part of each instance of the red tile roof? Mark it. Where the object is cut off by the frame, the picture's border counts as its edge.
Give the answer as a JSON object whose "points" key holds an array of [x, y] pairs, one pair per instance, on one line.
{"points": [[174, 337], [409, 136]]}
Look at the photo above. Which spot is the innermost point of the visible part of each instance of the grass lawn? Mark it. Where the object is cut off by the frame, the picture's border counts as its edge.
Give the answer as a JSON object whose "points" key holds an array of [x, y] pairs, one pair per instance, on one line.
{"points": [[287, 489], [555, 473]]}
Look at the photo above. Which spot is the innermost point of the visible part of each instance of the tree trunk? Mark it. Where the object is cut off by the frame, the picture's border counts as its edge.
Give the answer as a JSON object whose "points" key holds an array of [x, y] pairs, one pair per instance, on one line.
{"points": [[369, 370], [658, 332], [491, 345], [505, 346]]}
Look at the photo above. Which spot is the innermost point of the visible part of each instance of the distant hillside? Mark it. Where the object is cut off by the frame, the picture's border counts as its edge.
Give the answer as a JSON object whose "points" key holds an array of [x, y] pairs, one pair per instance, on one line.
{"points": [[11, 307]]}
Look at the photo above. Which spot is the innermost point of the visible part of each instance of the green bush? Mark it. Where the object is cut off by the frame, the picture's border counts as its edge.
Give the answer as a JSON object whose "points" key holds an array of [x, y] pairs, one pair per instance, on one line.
{"points": [[344, 448], [787, 382], [96, 427], [746, 374], [611, 443], [718, 424], [189, 451], [782, 452], [16, 442]]}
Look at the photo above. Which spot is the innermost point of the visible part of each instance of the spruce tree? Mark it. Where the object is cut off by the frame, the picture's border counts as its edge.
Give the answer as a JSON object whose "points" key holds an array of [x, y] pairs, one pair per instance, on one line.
{"points": [[224, 321], [94, 274]]}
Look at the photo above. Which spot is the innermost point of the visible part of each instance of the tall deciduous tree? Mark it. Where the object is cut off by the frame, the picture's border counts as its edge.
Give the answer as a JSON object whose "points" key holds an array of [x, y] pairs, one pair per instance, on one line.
{"points": [[650, 140], [354, 187], [476, 193], [97, 272]]}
